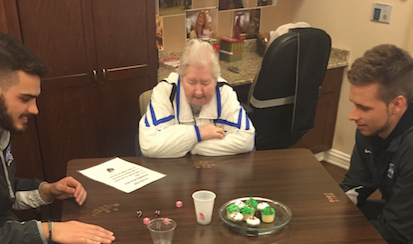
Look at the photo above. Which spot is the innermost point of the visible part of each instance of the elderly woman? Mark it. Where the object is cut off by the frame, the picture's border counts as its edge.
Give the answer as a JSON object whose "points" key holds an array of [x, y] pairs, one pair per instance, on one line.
{"points": [[195, 111]]}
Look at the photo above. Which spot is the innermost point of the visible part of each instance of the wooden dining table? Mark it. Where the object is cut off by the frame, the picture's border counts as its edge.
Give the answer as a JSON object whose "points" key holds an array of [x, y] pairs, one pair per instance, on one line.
{"points": [[293, 177]]}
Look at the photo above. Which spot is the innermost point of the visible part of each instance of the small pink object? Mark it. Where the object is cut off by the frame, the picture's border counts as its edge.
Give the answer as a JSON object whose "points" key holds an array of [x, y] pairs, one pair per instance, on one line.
{"points": [[201, 215], [166, 221], [179, 204], [146, 220]]}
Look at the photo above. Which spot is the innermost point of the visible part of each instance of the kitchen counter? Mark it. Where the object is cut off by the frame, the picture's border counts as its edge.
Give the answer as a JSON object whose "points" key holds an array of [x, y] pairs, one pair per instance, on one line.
{"points": [[249, 65]]}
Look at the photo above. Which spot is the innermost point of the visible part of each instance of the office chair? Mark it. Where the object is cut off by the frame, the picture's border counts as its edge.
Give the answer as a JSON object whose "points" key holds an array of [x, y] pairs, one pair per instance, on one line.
{"points": [[284, 96], [144, 99]]}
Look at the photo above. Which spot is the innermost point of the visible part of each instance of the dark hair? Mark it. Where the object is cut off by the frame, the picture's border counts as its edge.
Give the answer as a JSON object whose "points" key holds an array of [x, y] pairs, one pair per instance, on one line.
{"points": [[15, 56], [388, 66]]}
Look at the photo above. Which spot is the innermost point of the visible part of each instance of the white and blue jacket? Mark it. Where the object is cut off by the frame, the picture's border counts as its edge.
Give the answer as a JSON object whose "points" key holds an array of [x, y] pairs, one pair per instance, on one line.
{"points": [[168, 128]]}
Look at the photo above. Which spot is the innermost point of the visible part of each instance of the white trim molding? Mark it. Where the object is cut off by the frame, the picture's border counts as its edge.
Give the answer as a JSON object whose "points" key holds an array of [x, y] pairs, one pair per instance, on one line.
{"points": [[335, 157]]}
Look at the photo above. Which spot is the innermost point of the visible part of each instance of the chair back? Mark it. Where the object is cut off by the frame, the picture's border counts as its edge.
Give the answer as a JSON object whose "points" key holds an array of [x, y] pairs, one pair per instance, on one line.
{"points": [[285, 93], [144, 99]]}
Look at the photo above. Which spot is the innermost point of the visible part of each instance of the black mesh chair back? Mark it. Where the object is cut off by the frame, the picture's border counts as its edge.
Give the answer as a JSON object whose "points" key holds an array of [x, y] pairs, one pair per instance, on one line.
{"points": [[284, 97]]}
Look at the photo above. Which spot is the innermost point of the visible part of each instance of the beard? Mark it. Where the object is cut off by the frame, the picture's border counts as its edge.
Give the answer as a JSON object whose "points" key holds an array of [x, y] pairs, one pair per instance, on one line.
{"points": [[6, 121]]}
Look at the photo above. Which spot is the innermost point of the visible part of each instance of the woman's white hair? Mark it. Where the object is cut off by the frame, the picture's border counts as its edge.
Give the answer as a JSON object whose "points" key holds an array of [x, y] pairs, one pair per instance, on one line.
{"points": [[199, 54]]}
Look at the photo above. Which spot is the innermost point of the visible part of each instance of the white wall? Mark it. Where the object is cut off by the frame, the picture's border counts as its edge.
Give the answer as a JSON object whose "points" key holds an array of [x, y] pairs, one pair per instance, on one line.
{"points": [[349, 25]]}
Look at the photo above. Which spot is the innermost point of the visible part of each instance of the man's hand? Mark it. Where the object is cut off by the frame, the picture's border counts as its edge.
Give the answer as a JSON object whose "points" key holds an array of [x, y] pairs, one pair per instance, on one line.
{"points": [[210, 131], [77, 232], [64, 188]]}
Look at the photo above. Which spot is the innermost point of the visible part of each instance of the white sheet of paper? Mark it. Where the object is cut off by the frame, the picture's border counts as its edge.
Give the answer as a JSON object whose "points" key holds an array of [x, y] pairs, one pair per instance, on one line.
{"points": [[122, 175]]}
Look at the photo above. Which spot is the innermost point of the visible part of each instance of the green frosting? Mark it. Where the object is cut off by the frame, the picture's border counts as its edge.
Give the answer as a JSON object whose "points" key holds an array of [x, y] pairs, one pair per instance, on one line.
{"points": [[252, 202], [268, 211], [247, 210], [233, 208]]}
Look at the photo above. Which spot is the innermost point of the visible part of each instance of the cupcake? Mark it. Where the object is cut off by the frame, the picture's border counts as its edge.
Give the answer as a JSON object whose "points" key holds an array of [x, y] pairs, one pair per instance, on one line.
{"points": [[232, 208], [252, 202], [268, 214], [247, 212], [262, 205], [240, 204], [253, 221], [237, 217]]}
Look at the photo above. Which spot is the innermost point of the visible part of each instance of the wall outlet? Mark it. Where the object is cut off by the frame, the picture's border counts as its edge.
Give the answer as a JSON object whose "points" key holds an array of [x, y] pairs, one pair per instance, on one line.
{"points": [[381, 12]]}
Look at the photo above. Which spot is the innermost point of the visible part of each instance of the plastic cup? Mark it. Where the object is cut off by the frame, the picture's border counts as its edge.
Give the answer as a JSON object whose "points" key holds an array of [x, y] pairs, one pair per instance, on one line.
{"points": [[204, 206], [161, 233]]}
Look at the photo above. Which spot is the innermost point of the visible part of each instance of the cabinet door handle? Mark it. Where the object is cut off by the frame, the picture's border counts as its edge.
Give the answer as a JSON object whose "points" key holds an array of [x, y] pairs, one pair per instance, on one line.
{"points": [[104, 77], [95, 77]]}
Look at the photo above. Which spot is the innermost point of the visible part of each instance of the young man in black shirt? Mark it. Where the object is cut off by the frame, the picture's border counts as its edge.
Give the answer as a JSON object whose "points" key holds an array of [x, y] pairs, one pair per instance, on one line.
{"points": [[382, 92]]}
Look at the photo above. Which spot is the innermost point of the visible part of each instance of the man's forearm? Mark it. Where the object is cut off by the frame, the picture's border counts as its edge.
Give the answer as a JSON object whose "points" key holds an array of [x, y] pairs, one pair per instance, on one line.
{"points": [[45, 192]]}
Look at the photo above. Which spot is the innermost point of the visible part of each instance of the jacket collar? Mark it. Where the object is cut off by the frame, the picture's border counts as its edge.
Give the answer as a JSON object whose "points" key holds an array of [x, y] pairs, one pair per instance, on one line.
{"points": [[392, 142]]}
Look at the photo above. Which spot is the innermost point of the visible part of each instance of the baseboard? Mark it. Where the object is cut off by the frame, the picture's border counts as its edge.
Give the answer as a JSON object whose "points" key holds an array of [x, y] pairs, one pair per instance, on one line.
{"points": [[320, 156], [335, 157]]}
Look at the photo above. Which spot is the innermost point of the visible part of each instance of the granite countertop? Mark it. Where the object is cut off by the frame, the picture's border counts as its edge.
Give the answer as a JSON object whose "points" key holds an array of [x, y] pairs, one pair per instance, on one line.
{"points": [[249, 65]]}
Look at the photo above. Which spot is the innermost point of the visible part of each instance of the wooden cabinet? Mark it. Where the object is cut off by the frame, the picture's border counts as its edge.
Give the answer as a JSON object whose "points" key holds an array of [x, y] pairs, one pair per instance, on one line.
{"points": [[102, 56], [320, 138]]}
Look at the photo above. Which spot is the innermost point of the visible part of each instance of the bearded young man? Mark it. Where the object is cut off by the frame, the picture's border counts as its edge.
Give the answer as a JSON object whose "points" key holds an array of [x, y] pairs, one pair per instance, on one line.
{"points": [[382, 92], [20, 73]]}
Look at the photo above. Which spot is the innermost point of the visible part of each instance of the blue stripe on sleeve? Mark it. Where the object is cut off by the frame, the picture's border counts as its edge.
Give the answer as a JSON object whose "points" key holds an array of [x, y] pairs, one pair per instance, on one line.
{"points": [[240, 118], [178, 97], [198, 135], [247, 122], [218, 100], [236, 125], [160, 121], [226, 122], [146, 121]]}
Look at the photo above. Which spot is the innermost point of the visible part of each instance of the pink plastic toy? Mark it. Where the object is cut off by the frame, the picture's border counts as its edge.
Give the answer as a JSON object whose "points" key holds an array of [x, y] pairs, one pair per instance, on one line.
{"points": [[179, 204]]}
